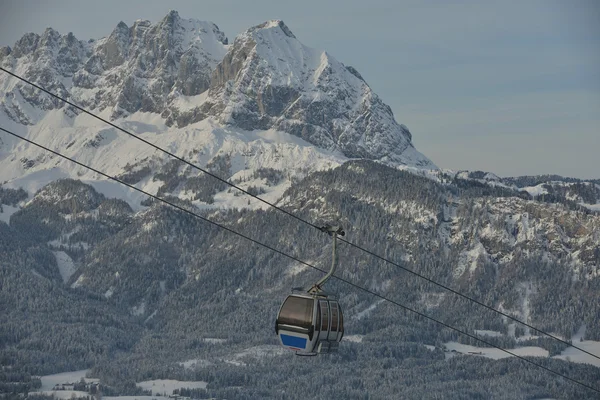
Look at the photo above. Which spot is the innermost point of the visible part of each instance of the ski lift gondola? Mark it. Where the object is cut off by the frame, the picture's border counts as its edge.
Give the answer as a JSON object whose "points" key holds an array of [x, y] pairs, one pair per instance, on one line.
{"points": [[311, 322]]}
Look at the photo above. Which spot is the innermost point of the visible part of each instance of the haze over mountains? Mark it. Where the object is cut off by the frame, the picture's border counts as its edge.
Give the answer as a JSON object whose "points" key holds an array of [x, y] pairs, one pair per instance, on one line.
{"points": [[97, 276]]}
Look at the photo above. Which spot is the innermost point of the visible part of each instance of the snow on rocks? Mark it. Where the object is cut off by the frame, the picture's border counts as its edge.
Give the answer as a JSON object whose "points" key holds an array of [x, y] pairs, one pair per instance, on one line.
{"points": [[267, 101], [270, 80]]}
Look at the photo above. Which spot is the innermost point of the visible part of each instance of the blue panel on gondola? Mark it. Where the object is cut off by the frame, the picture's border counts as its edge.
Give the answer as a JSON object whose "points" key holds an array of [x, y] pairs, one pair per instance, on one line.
{"points": [[293, 341]]}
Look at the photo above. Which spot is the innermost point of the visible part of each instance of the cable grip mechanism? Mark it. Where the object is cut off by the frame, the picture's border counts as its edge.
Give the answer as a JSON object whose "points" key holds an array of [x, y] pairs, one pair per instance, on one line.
{"points": [[332, 231]]}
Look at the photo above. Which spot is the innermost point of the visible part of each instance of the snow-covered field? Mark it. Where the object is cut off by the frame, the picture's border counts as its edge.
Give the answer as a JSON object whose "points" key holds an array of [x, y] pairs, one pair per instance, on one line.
{"points": [[7, 211], [569, 354], [165, 387], [49, 381], [161, 388], [574, 355], [64, 394], [66, 267], [494, 353]]}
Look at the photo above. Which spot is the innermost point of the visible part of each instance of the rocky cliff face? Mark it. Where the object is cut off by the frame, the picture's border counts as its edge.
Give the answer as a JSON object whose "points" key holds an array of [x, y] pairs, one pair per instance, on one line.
{"points": [[185, 71], [269, 80], [137, 68]]}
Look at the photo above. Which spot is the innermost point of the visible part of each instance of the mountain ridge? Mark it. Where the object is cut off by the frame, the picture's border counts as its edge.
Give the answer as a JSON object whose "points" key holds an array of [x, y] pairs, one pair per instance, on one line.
{"points": [[175, 69]]}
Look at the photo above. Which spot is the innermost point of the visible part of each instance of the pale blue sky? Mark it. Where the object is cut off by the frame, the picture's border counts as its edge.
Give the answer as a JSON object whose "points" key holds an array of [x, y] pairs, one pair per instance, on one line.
{"points": [[511, 87]]}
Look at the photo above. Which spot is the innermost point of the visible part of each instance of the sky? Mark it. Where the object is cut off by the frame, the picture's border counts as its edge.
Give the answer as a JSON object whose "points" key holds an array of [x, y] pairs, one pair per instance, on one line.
{"points": [[511, 87]]}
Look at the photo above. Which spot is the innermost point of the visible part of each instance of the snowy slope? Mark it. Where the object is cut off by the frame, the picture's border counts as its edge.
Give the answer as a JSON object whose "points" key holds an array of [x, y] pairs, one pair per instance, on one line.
{"points": [[66, 267], [111, 151], [269, 79]]}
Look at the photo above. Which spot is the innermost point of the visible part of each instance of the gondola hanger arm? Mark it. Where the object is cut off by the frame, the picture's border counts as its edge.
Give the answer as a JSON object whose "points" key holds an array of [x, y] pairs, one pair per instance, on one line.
{"points": [[332, 231]]}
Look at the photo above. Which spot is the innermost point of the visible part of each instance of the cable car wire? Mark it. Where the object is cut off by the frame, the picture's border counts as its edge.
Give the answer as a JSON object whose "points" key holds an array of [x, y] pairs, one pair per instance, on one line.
{"points": [[462, 332], [441, 285]]}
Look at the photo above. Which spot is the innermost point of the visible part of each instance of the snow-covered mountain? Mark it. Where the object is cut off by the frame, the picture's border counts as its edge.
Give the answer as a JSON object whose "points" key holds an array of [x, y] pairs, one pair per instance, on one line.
{"points": [[267, 101], [269, 80], [144, 67]]}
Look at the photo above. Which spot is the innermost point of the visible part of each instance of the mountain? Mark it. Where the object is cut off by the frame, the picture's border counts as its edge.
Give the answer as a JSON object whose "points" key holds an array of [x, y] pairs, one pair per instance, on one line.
{"points": [[94, 275], [269, 80], [133, 69], [263, 102]]}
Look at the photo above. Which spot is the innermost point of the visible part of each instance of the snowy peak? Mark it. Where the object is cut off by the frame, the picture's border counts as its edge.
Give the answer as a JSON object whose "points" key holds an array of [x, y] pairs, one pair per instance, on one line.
{"points": [[151, 62], [274, 23], [174, 35], [50, 50], [270, 80], [50, 59], [137, 68], [115, 48], [283, 58], [184, 71]]}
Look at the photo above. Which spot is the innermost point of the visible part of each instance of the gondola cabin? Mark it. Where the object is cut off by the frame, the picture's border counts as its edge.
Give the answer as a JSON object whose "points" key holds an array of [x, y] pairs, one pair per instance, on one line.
{"points": [[309, 324]]}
